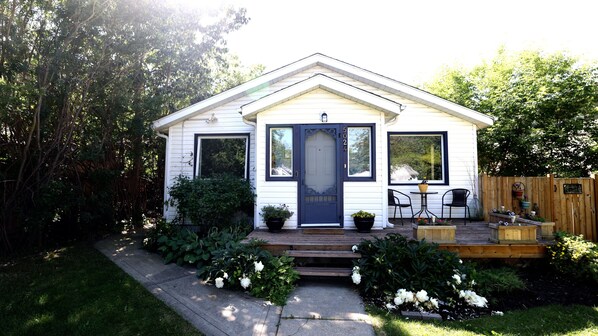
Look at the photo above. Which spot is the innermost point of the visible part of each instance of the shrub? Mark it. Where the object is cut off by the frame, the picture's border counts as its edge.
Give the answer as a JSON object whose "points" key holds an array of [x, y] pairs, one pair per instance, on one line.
{"points": [[186, 247], [248, 267], [410, 274], [498, 281], [394, 262], [574, 256], [211, 202]]}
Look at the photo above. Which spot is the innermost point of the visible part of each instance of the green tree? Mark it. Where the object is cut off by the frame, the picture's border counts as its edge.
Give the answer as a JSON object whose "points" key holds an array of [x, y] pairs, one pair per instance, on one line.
{"points": [[546, 108], [80, 83]]}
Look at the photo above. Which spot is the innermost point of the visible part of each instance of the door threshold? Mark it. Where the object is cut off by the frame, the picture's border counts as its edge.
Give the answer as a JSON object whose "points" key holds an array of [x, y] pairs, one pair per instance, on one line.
{"points": [[322, 225]]}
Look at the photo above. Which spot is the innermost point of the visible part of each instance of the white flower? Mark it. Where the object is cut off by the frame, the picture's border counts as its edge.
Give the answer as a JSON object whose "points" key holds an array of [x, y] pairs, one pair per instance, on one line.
{"points": [[356, 269], [225, 275], [354, 248], [421, 296], [390, 306], [473, 282], [245, 282], [497, 313], [398, 301], [356, 278], [460, 261], [473, 299], [434, 302], [457, 278], [258, 266], [219, 282], [405, 295]]}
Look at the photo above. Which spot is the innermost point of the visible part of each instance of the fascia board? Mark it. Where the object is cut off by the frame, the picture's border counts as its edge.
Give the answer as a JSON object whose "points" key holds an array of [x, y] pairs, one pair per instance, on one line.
{"points": [[236, 92], [327, 83]]}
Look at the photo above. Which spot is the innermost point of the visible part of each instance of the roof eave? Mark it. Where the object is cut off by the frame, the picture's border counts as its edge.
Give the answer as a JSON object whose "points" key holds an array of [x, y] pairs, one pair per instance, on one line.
{"points": [[391, 108]]}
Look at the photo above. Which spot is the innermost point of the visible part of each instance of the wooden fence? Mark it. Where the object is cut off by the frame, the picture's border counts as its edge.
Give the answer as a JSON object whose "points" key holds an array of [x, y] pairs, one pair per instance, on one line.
{"points": [[569, 202]]}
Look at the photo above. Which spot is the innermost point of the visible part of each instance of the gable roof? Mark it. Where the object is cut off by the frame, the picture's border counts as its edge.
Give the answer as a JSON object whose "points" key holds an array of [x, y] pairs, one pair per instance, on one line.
{"points": [[384, 83], [390, 107]]}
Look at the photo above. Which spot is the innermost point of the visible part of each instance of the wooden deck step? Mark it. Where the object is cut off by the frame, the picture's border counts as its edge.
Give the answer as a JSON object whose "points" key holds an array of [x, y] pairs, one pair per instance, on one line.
{"points": [[324, 271], [322, 254], [322, 231]]}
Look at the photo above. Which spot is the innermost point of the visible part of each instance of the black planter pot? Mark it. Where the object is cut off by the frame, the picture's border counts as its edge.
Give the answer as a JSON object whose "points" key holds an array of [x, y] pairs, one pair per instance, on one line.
{"points": [[275, 224], [363, 225]]}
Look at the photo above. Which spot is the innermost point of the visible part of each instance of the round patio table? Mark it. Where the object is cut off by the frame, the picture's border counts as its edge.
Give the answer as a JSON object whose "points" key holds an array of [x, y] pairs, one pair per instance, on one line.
{"points": [[424, 203]]}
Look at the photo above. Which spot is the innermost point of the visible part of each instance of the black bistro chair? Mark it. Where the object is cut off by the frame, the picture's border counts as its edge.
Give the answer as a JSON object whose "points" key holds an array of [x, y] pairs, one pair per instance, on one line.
{"points": [[399, 200], [458, 199]]}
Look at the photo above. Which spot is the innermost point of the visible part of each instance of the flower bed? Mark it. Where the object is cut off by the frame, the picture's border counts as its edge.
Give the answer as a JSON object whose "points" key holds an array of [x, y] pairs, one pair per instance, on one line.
{"points": [[546, 228]]}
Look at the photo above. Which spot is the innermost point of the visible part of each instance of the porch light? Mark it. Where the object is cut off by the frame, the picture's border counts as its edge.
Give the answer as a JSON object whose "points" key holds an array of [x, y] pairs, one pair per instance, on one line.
{"points": [[324, 117]]}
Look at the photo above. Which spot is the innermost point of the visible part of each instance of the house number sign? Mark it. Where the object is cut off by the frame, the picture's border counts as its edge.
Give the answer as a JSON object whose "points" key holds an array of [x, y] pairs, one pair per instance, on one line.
{"points": [[574, 188]]}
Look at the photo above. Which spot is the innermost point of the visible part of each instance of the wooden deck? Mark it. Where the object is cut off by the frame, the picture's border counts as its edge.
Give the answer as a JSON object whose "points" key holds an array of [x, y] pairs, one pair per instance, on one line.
{"points": [[471, 241]]}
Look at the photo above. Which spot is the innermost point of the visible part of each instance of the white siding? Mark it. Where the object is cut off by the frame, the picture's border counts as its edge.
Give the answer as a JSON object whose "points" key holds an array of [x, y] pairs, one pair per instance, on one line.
{"points": [[182, 142], [306, 109]]}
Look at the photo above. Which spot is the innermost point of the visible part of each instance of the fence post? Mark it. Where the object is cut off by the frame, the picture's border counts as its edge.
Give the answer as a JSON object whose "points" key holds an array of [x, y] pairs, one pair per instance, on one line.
{"points": [[551, 196], [594, 177]]}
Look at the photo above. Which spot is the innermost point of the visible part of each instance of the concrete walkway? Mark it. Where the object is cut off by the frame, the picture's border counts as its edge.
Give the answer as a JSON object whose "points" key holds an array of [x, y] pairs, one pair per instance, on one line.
{"points": [[314, 308]]}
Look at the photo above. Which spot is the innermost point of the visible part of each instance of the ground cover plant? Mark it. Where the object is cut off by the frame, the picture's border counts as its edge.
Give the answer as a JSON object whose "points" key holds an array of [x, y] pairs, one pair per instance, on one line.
{"points": [[77, 291], [225, 261], [184, 246]]}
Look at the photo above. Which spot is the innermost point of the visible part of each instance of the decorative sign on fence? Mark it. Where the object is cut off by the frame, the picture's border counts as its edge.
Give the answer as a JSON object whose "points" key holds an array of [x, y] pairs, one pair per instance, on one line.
{"points": [[574, 188]]}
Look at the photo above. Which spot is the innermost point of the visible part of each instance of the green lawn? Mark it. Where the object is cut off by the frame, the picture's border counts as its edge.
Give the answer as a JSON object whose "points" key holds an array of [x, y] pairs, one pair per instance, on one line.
{"points": [[78, 291], [549, 320]]}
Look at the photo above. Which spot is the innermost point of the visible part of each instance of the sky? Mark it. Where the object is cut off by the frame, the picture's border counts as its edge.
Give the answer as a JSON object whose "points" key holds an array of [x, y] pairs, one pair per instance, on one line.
{"points": [[410, 41]]}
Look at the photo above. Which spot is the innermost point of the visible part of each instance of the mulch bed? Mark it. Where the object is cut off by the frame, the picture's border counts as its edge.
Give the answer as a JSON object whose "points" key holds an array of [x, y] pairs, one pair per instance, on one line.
{"points": [[546, 287]]}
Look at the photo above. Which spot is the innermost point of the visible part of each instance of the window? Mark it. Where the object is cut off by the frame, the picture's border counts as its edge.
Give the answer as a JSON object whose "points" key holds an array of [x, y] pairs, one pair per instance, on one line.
{"points": [[280, 163], [359, 152], [417, 156], [217, 154]]}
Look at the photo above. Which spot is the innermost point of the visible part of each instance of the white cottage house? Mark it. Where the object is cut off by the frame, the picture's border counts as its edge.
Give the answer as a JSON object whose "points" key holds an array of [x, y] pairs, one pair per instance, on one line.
{"points": [[328, 139]]}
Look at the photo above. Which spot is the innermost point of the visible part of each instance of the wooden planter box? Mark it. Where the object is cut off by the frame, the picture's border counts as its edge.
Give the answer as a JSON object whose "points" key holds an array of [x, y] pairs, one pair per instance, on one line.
{"points": [[513, 234], [441, 234], [546, 228]]}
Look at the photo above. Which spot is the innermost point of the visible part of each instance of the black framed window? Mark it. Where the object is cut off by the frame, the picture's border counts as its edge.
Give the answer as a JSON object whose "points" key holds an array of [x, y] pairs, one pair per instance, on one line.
{"points": [[414, 156], [221, 153], [280, 158]]}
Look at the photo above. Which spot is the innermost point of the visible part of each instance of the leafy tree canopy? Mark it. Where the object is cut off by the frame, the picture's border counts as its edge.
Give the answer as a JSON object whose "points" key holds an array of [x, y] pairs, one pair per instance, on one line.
{"points": [[546, 108], [80, 83]]}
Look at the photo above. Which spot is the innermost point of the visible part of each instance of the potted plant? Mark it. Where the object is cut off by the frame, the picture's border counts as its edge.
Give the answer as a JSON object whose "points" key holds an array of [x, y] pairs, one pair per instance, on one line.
{"points": [[363, 221], [275, 216], [423, 185]]}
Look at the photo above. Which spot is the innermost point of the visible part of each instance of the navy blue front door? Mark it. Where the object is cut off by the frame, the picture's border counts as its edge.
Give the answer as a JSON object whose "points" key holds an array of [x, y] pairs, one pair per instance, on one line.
{"points": [[320, 192]]}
